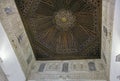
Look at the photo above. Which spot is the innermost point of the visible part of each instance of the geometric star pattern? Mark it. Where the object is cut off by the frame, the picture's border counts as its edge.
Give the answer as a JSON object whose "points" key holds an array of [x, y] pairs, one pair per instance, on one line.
{"points": [[63, 29]]}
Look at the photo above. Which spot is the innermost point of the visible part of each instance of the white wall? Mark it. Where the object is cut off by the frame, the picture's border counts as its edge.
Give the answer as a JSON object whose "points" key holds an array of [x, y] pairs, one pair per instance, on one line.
{"points": [[115, 66], [10, 64], [2, 75]]}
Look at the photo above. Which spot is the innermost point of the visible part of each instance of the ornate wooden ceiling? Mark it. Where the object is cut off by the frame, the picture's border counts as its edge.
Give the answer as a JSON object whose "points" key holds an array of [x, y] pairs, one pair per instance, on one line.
{"points": [[63, 29]]}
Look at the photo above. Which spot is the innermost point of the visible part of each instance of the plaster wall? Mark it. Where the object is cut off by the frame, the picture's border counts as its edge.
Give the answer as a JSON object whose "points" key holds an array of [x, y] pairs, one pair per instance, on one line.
{"points": [[115, 56], [9, 62], [107, 29], [14, 28]]}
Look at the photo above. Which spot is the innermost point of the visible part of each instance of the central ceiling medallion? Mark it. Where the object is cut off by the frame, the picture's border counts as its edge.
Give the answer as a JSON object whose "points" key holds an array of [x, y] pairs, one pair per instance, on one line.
{"points": [[64, 19]]}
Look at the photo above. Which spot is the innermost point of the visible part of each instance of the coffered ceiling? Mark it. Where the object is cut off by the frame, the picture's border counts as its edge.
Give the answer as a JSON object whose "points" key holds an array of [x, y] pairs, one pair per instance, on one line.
{"points": [[63, 29]]}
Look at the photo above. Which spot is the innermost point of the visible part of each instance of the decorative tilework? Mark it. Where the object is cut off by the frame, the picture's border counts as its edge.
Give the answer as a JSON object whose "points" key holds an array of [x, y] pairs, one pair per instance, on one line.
{"points": [[67, 71], [52, 67], [92, 66], [8, 10], [65, 67], [79, 66], [41, 68]]}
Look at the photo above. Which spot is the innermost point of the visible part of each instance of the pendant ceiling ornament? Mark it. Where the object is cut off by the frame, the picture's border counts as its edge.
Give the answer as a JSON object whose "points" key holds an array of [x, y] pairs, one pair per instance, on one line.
{"points": [[63, 29], [64, 20]]}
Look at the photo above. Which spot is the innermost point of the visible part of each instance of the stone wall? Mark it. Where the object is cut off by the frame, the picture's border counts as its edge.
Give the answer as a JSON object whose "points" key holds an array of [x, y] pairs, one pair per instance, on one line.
{"points": [[107, 29], [12, 23]]}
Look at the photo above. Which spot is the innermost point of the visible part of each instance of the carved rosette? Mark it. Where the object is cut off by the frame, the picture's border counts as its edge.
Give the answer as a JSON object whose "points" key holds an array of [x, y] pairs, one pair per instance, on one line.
{"points": [[64, 20]]}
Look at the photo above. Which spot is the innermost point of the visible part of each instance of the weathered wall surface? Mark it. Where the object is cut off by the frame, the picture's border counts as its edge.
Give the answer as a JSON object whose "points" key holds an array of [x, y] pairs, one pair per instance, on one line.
{"points": [[107, 29], [11, 21]]}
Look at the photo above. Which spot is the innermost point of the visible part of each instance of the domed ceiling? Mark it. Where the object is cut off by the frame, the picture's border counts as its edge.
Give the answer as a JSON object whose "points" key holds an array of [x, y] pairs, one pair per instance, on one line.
{"points": [[63, 29]]}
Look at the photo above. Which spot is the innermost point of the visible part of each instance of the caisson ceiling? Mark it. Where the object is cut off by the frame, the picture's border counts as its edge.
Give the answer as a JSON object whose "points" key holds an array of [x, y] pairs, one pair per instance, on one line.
{"points": [[63, 29]]}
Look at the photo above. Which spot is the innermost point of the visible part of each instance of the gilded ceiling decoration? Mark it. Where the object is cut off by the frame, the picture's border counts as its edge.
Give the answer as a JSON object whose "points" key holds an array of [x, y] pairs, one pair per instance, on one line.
{"points": [[62, 29]]}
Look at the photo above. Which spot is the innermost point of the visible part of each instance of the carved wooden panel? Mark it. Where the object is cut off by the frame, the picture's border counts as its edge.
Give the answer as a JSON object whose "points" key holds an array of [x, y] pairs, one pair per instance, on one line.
{"points": [[63, 29]]}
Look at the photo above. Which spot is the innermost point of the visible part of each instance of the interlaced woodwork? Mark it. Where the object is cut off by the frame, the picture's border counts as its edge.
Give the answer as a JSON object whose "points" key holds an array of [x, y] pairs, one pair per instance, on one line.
{"points": [[63, 29]]}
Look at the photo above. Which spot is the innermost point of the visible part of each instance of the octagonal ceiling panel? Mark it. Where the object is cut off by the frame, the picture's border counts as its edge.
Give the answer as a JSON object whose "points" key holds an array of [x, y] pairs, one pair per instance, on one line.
{"points": [[63, 29]]}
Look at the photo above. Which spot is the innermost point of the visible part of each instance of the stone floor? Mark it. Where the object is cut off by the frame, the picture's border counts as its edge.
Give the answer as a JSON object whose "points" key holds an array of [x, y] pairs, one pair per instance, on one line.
{"points": [[70, 70]]}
